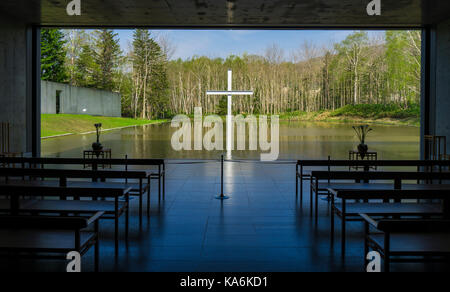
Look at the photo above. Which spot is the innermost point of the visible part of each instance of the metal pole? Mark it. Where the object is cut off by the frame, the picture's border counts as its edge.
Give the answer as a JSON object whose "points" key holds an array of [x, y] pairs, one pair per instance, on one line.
{"points": [[229, 113], [222, 196]]}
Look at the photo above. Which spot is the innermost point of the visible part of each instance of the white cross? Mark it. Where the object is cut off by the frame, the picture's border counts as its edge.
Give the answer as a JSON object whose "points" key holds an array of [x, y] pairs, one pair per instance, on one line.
{"points": [[230, 94]]}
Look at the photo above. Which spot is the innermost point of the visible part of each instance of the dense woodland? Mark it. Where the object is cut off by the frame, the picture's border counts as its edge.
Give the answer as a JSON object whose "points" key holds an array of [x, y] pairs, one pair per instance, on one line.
{"points": [[362, 69]]}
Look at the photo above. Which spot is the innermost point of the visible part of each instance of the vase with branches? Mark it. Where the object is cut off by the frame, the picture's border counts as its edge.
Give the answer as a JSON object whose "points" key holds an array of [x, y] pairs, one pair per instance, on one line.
{"points": [[361, 133], [97, 146]]}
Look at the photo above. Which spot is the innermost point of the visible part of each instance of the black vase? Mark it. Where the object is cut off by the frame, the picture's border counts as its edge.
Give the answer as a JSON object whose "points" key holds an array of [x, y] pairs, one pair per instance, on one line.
{"points": [[363, 149], [97, 146]]}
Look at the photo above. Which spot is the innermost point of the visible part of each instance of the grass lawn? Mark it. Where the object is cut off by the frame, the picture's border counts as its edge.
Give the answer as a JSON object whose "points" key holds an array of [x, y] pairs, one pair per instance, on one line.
{"points": [[52, 125], [364, 113]]}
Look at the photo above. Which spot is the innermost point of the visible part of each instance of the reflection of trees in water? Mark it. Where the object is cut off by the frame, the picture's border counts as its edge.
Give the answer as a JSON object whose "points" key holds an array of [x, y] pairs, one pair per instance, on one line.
{"points": [[298, 141]]}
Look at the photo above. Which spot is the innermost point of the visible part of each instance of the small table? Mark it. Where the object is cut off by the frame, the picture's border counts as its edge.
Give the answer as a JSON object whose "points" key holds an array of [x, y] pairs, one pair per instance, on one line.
{"points": [[97, 154], [354, 155]]}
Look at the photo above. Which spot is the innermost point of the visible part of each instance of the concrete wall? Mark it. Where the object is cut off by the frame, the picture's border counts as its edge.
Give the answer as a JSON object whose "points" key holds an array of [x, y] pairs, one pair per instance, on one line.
{"points": [[73, 100], [15, 91], [440, 104]]}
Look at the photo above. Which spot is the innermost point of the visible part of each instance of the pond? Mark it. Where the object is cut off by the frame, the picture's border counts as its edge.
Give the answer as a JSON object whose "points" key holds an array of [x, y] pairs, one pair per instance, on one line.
{"points": [[298, 140]]}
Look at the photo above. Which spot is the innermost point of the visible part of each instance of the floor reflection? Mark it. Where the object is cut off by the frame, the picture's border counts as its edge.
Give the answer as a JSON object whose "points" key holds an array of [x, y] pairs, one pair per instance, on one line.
{"points": [[261, 228]]}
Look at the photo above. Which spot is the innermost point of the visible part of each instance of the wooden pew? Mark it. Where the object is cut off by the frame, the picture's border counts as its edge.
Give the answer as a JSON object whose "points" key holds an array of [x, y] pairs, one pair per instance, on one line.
{"points": [[64, 174], [389, 201], [395, 177], [45, 234], [422, 239], [111, 210], [160, 175], [419, 165]]}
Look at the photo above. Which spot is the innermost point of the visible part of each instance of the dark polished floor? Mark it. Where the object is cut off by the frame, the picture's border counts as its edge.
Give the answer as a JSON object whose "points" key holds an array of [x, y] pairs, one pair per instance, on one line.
{"points": [[261, 228]]}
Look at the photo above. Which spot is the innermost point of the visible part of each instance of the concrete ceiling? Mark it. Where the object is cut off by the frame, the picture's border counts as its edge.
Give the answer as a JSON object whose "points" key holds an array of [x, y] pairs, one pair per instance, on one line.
{"points": [[229, 13]]}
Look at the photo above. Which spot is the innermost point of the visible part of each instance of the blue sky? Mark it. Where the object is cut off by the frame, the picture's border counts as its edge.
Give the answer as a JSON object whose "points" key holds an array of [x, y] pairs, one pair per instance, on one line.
{"points": [[222, 43]]}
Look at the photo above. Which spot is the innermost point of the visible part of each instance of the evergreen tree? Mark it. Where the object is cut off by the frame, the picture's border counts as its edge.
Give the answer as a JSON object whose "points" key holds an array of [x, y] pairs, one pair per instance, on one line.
{"points": [[151, 96], [76, 40], [107, 56], [159, 97], [380, 69], [53, 55], [85, 67]]}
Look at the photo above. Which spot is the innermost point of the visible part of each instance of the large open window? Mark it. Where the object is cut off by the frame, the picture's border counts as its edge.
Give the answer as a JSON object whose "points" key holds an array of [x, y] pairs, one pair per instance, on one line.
{"points": [[320, 83]]}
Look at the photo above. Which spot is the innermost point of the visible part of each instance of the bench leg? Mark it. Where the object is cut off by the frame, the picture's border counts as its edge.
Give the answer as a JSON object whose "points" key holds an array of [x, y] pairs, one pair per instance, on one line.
{"points": [[140, 206], [127, 222], [317, 206], [300, 177], [116, 234], [311, 198], [164, 185], [296, 185], [116, 226], [159, 187], [148, 198], [141, 194], [343, 234], [159, 197], [332, 225], [301, 188]]}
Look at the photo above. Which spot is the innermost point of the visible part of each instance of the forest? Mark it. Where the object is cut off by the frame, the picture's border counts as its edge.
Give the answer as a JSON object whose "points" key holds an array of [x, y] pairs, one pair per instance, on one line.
{"points": [[381, 69]]}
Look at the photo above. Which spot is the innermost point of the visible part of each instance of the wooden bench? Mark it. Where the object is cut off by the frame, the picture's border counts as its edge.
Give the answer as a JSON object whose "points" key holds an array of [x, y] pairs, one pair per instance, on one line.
{"points": [[55, 235], [407, 240], [111, 210], [395, 179], [159, 175], [64, 174], [301, 174], [388, 201]]}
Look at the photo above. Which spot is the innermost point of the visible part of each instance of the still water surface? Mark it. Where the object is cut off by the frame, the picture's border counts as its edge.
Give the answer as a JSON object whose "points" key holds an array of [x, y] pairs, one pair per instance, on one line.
{"points": [[298, 140]]}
